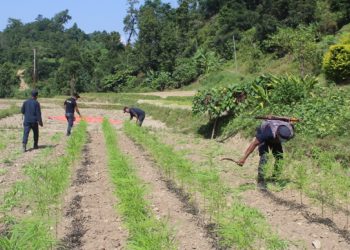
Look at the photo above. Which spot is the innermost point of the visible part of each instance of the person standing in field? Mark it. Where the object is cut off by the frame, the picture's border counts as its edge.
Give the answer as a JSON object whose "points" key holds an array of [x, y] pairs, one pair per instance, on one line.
{"points": [[70, 106], [32, 119], [136, 112], [270, 135]]}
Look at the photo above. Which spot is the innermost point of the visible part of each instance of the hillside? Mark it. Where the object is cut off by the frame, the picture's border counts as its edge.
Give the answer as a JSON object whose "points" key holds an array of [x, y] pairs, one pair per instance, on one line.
{"points": [[172, 47]]}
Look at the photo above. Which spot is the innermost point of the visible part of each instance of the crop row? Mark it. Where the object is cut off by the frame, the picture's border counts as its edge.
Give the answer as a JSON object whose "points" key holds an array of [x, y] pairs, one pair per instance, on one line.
{"points": [[40, 192], [145, 231], [235, 225]]}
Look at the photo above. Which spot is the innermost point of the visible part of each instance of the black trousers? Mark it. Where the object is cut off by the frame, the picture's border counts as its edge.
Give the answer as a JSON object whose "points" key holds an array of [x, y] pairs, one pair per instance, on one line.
{"points": [[277, 152], [31, 126]]}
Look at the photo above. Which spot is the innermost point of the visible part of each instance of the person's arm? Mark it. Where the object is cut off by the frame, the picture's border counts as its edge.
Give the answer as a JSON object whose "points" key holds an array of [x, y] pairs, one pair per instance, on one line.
{"points": [[132, 114], [40, 121], [248, 151], [77, 109], [23, 109]]}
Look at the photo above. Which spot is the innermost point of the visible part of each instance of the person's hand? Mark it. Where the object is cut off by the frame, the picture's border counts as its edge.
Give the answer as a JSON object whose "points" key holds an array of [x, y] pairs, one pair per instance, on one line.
{"points": [[41, 124], [240, 162]]}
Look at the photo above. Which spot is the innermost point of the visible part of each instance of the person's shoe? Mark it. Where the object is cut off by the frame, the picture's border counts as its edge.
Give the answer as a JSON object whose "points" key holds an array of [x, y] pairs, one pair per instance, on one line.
{"points": [[261, 184], [24, 148], [36, 147]]}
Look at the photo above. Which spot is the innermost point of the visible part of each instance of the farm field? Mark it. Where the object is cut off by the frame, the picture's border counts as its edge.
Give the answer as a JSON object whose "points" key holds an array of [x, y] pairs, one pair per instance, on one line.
{"points": [[113, 185]]}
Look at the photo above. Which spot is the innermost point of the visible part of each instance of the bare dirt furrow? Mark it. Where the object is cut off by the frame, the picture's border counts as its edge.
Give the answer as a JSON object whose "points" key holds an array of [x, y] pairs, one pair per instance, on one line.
{"points": [[164, 202], [90, 220]]}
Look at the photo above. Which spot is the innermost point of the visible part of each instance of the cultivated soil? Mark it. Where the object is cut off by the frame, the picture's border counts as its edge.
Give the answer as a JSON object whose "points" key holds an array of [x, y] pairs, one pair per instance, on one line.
{"points": [[89, 219], [13, 159], [164, 201], [300, 224]]}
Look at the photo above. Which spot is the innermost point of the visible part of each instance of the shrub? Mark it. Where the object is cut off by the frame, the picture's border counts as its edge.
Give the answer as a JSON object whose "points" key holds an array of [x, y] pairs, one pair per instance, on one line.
{"points": [[291, 89], [116, 82], [185, 72], [158, 80], [217, 101], [336, 63]]}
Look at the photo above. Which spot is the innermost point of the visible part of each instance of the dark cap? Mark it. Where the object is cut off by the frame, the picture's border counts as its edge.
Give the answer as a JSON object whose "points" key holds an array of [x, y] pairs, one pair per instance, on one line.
{"points": [[76, 95], [34, 93], [284, 132]]}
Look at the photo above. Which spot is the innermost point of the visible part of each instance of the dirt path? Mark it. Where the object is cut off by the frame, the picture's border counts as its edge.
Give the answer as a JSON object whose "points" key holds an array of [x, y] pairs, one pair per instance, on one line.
{"points": [[165, 204], [90, 220], [300, 224], [160, 103], [165, 94]]}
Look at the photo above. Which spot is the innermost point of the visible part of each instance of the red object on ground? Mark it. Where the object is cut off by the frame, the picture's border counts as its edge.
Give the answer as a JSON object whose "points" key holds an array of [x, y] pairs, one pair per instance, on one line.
{"points": [[88, 119]]}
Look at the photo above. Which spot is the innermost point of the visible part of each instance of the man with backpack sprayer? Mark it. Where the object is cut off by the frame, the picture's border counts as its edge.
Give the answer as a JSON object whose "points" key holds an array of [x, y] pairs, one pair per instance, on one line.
{"points": [[71, 106], [270, 135]]}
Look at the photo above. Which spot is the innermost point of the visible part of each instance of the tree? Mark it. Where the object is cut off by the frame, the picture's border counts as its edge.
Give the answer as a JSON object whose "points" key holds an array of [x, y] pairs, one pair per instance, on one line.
{"points": [[157, 41], [130, 21], [8, 80], [300, 43]]}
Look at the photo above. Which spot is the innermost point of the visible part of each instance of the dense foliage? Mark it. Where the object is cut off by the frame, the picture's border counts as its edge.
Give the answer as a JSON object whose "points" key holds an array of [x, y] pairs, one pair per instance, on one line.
{"points": [[167, 47], [323, 112]]}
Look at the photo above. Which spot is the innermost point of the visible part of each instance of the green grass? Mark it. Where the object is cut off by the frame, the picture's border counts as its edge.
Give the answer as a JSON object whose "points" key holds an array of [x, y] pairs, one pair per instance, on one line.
{"points": [[238, 225], [6, 138], [3, 171], [145, 231], [41, 192], [9, 111]]}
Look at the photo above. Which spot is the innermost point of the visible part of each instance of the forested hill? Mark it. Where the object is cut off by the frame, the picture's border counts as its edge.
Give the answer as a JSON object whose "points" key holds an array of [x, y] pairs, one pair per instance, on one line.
{"points": [[169, 47]]}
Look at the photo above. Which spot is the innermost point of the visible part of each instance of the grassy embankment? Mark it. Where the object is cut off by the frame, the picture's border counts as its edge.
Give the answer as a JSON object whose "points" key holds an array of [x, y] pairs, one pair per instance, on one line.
{"points": [[145, 231], [40, 192]]}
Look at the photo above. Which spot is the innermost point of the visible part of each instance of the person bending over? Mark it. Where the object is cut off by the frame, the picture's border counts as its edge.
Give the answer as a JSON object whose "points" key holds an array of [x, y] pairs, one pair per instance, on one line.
{"points": [[136, 112]]}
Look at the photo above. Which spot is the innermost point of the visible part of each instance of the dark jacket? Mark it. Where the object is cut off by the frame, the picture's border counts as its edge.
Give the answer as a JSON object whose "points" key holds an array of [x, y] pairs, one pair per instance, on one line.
{"points": [[31, 111]]}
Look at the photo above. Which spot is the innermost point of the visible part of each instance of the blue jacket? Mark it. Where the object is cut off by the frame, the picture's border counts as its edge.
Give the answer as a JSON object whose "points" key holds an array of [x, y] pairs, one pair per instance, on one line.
{"points": [[31, 111]]}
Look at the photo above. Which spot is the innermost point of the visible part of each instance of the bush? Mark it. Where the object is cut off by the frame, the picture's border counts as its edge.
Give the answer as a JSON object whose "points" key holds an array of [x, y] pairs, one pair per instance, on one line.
{"points": [[158, 80], [116, 82], [290, 89], [217, 101], [185, 72], [336, 63]]}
